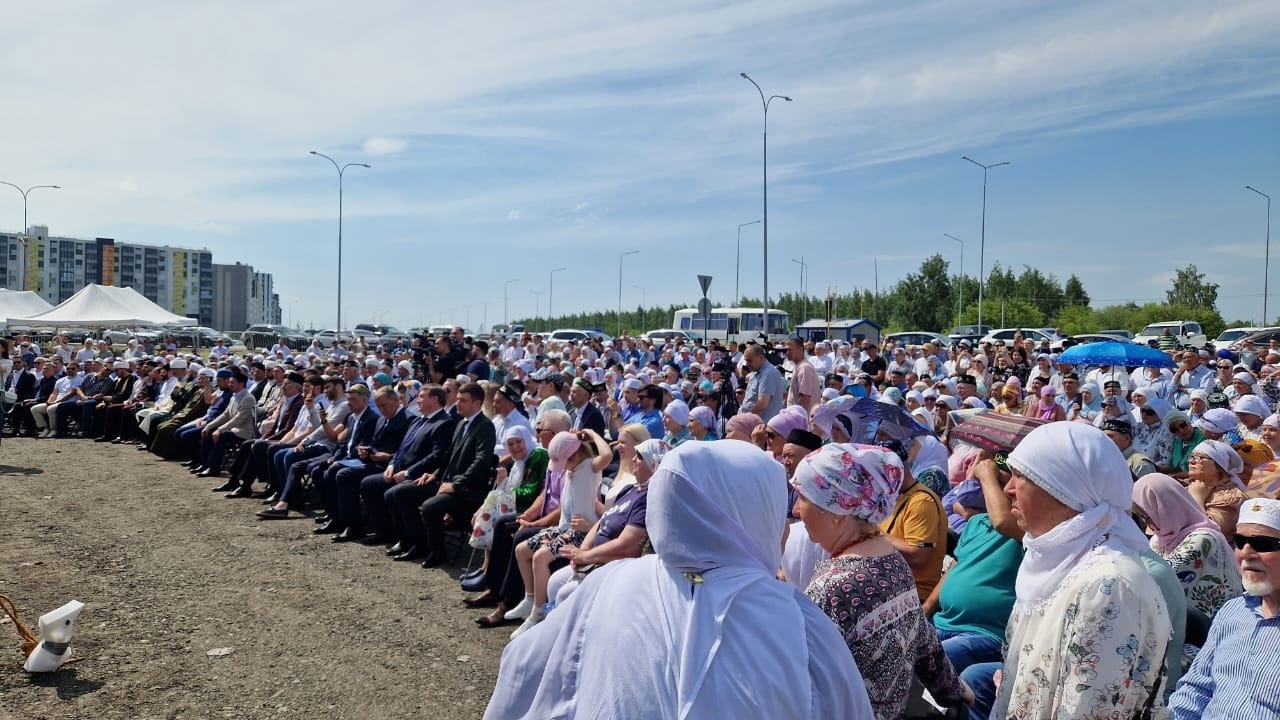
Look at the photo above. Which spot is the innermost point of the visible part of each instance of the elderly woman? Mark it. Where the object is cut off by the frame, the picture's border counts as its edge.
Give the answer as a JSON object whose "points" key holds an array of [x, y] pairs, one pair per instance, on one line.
{"points": [[619, 533], [675, 420], [515, 489], [1251, 410], [1150, 435], [583, 455], [1046, 407], [1186, 437], [1214, 474], [1220, 424], [845, 491], [1011, 395], [1189, 541], [773, 436], [1198, 404], [700, 629], [702, 423], [1090, 404], [629, 436]]}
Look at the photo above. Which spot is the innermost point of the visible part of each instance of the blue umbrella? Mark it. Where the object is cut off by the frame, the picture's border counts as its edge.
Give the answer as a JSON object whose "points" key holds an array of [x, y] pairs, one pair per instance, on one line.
{"points": [[870, 416], [1116, 353]]}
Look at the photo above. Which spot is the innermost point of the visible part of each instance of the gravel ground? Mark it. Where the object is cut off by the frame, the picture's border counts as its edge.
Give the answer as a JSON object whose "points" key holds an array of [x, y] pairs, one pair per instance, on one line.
{"points": [[170, 571]]}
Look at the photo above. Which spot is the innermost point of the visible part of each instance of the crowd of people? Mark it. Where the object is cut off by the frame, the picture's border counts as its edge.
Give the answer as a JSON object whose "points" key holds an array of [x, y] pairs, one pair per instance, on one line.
{"points": [[710, 530]]}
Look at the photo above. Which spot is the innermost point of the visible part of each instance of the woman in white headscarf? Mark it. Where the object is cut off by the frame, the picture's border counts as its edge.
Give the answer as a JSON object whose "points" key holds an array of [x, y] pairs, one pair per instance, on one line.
{"points": [[700, 629], [1213, 471], [866, 587], [1089, 630]]}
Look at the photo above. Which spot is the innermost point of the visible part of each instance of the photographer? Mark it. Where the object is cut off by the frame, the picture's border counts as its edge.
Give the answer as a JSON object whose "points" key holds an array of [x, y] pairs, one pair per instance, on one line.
{"points": [[442, 359]]}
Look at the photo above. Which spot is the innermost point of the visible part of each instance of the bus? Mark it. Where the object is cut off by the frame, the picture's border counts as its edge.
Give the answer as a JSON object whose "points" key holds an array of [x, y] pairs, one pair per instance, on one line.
{"points": [[732, 324]]}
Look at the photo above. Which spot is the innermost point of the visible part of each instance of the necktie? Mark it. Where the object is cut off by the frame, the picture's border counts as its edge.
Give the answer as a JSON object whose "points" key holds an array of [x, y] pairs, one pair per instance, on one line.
{"points": [[408, 440]]}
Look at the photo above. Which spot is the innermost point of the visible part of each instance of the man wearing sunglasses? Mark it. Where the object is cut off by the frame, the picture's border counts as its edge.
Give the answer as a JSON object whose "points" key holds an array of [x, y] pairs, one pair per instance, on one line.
{"points": [[1237, 673]]}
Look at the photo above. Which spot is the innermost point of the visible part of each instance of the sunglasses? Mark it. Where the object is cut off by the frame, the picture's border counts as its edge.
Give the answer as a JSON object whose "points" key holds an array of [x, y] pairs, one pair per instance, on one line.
{"points": [[771, 433], [1259, 543], [1179, 427], [1148, 411], [1224, 367]]}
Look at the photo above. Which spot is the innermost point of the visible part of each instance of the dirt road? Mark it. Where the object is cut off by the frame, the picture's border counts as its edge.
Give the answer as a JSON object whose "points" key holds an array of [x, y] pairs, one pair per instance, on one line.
{"points": [[170, 571]]}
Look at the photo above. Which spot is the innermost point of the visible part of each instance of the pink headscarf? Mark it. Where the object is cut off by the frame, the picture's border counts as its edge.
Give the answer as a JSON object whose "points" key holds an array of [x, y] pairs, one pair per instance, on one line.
{"points": [[792, 417], [1174, 512], [743, 423], [849, 479]]}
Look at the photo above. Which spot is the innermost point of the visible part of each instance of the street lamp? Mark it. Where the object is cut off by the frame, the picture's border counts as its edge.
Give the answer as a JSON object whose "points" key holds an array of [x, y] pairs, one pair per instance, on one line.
{"points": [[342, 169], [551, 294], [23, 237], [506, 320], [804, 286], [982, 242], [960, 301], [1266, 267], [537, 303], [764, 102], [642, 302], [737, 264], [620, 257]]}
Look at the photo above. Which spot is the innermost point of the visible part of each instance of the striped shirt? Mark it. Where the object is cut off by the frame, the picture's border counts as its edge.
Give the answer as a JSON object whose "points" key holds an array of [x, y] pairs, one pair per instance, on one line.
{"points": [[1237, 673]]}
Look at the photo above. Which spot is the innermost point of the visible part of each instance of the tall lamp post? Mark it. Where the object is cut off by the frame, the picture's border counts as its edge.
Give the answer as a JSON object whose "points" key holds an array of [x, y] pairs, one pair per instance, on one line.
{"points": [[342, 169], [804, 284], [620, 257], [551, 294], [642, 302], [23, 237], [960, 301], [982, 242], [737, 264], [764, 102], [505, 319], [1266, 267], [537, 303]]}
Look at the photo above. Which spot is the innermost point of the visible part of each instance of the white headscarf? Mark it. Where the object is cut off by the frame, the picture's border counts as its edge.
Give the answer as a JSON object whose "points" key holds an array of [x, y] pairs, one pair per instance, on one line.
{"points": [[1225, 457], [708, 630], [523, 432], [1083, 469]]}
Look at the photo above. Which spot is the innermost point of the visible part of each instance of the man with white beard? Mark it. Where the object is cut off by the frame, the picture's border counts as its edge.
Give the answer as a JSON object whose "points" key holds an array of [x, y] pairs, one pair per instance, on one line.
{"points": [[1237, 673]]}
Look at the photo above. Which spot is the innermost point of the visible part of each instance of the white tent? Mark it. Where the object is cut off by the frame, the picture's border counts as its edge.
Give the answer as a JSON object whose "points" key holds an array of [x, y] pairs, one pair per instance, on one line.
{"points": [[105, 306], [17, 304]]}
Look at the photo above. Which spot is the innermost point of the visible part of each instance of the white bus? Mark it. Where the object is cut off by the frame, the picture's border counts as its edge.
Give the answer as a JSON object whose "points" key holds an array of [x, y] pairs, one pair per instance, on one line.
{"points": [[732, 324]]}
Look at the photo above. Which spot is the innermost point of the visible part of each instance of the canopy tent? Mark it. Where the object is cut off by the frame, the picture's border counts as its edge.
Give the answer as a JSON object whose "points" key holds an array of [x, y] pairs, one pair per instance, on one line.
{"points": [[105, 306], [16, 304]]}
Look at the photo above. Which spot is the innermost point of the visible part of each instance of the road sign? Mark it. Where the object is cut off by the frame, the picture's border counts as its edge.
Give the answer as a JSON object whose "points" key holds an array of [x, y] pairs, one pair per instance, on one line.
{"points": [[704, 307], [705, 282]]}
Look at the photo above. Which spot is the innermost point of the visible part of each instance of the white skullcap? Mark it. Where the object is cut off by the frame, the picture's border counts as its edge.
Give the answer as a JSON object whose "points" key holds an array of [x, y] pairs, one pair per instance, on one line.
{"points": [[1262, 511]]}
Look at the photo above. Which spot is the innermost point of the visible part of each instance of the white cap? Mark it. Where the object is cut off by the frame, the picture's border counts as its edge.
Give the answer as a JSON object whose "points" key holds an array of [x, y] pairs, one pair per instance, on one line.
{"points": [[1262, 511]]}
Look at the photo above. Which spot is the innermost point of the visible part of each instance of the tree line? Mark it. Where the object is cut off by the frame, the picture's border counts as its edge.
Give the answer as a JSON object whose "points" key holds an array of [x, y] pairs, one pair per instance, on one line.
{"points": [[929, 299]]}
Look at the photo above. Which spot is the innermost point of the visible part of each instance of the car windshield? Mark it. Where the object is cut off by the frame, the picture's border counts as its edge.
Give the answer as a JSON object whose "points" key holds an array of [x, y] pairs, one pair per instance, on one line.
{"points": [[1158, 329], [1229, 335]]}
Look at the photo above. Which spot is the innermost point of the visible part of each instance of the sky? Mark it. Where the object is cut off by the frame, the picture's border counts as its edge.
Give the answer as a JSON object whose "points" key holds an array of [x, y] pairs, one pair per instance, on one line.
{"points": [[508, 139]]}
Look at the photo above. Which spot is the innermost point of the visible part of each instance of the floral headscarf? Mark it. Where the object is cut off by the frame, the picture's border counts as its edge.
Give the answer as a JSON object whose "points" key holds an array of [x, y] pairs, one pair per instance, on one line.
{"points": [[849, 479]]}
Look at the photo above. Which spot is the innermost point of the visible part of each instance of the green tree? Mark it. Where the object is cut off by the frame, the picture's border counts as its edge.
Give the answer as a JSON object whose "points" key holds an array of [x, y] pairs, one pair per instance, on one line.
{"points": [[1191, 290], [924, 300], [1016, 313], [1040, 290], [1001, 284], [1077, 319], [1073, 294]]}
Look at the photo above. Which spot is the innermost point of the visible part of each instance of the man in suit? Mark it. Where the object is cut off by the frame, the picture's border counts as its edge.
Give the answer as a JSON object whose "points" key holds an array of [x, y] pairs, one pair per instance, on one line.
{"points": [[342, 488], [228, 430], [466, 479], [335, 421], [24, 384], [121, 390], [252, 462], [362, 420], [586, 416], [424, 450]]}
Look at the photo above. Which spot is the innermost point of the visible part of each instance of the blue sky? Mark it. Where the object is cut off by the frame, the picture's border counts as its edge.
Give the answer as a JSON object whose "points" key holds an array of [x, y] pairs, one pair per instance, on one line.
{"points": [[508, 139]]}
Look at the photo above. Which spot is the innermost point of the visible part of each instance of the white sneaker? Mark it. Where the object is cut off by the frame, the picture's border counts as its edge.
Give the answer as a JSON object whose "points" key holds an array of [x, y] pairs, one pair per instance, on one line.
{"points": [[521, 611], [46, 434], [528, 624]]}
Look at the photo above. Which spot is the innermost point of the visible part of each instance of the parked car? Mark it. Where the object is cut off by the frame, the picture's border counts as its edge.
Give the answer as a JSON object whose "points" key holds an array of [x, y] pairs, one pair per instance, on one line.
{"points": [[1186, 332], [560, 336], [1035, 335], [264, 335], [1126, 334], [372, 334], [1086, 338], [918, 337], [1260, 339], [972, 333], [662, 337], [1231, 335]]}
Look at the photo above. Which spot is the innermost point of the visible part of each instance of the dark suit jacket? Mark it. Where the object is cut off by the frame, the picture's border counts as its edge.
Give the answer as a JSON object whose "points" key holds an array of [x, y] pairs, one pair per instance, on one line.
{"points": [[590, 418], [471, 458], [123, 389], [358, 435], [430, 447], [389, 433], [24, 386], [290, 417]]}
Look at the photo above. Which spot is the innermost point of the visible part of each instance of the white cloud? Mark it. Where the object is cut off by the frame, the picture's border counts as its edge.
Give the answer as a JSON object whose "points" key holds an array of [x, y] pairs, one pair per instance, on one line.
{"points": [[514, 215], [384, 145]]}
